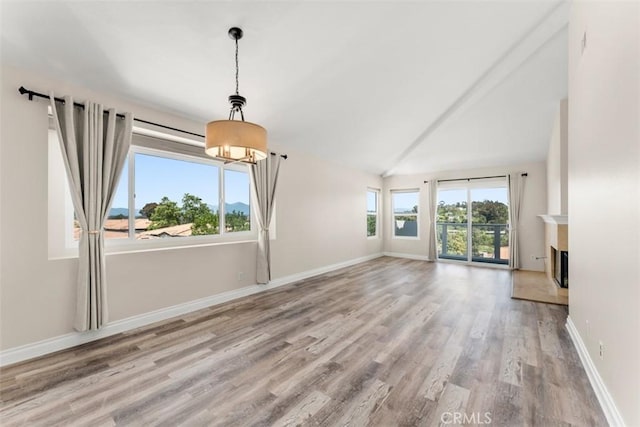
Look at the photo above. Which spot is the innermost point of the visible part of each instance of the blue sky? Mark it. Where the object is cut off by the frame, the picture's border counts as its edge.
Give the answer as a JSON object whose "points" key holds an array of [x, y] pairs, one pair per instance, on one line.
{"points": [[157, 177], [371, 201]]}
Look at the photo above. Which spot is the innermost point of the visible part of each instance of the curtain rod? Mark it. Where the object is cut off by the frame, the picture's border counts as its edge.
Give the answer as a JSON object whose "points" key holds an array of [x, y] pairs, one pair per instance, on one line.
{"points": [[31, 94], [478, 177]]}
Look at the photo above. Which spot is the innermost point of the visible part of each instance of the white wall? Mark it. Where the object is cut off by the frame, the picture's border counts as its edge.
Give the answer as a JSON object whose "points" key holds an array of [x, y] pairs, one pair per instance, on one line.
{"points": [[533, 204], [557, 166], [604, 193], [321, 214]]}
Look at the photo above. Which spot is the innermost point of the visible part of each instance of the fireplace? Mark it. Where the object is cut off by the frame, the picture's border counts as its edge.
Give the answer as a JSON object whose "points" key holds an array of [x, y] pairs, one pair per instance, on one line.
{"points": [[560, 267], [556, 230]]}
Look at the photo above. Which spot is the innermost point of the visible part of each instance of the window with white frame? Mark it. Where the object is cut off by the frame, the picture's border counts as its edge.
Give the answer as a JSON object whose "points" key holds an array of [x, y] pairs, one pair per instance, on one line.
{"points": [[167, 190], [404, 205], [174, 195], [372, 212]]}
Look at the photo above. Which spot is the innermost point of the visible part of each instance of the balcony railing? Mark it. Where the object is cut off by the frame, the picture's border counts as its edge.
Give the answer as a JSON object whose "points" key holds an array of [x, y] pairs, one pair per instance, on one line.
{"points": [[489, 242]]}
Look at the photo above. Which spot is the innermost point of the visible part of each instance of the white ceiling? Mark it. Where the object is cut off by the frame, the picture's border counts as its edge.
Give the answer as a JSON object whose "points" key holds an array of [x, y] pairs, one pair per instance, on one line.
{"points": [[388, 87]]}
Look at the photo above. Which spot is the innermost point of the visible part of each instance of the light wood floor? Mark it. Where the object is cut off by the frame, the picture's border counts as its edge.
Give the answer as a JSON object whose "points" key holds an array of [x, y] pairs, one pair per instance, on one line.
{"points": [[385, 343]]}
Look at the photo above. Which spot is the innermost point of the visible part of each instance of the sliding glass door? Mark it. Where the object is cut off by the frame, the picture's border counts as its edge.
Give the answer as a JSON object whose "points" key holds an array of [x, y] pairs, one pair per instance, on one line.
{"points": [[472, 222], [489, 232], [453, 236]]}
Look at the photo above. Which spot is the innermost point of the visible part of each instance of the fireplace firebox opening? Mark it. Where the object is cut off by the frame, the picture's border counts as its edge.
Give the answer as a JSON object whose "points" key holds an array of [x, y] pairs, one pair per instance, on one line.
{"points": [[560, 267]]}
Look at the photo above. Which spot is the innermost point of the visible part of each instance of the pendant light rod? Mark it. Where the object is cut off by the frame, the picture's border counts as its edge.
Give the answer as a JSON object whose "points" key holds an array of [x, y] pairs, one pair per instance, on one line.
{"points": [[236, 34], [237, 101]]}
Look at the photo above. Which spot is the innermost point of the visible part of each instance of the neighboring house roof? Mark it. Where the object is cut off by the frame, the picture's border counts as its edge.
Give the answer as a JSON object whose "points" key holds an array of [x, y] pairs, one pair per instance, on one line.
{"points": [[123, 224], [119, 228], [181, 230]]}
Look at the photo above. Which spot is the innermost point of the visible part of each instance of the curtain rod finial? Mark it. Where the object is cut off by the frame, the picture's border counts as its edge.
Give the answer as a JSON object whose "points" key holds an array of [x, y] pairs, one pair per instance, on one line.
{"points": [[32, 94], [22, 91]]}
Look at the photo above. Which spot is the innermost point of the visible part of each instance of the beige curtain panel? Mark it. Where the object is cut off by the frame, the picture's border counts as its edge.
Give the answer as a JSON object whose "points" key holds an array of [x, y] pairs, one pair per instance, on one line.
{"points": [[264, 175], [516, 191], [433, 215], [94, 145]]}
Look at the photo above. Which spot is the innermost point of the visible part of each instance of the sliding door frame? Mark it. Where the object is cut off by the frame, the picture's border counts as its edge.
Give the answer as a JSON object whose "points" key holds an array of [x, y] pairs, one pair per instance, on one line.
{"points": [[468, 187]]}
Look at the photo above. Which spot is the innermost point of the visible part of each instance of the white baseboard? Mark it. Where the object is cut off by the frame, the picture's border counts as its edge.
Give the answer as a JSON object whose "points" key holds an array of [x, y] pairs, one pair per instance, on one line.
{"points": [[604, 397], [317, 271], [50, 345], [407, 256]]}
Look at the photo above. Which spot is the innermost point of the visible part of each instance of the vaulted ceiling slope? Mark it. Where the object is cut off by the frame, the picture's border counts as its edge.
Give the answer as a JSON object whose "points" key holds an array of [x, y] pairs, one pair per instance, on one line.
{"points": [[387, 87]]}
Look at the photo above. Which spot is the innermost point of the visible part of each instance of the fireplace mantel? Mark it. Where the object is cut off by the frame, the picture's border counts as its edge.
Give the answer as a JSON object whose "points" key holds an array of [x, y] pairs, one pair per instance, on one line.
{"points": [[555, 219], [556, 232]]}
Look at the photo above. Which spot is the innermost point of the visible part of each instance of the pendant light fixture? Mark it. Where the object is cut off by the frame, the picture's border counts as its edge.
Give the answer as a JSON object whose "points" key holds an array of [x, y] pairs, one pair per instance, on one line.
{"points": [[236, 140]]}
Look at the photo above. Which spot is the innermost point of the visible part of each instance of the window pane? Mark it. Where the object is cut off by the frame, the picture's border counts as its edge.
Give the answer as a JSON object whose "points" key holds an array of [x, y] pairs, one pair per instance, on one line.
{"points": [[237, 216], [117, 224], [175, 198], [405, 202], [372, 201], [406, 225], [452, 206], [372, 225], [452, 223], [453, 238], [372, 211], [489, 215]]}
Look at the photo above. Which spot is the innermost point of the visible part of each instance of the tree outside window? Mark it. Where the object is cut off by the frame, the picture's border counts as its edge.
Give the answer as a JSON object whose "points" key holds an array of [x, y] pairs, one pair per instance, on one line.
{"points": [[372, 213]]}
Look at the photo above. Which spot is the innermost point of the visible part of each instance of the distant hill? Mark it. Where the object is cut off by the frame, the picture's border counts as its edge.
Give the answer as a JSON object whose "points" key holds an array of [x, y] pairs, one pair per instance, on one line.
{"points": [[238, 207], [230, 207], [118, 211], [403, 210]]}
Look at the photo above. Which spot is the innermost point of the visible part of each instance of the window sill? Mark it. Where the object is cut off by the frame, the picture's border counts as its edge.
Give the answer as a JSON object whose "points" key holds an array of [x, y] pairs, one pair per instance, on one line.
{"points": [[126, 247], [405, 238], [158, 245]]}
